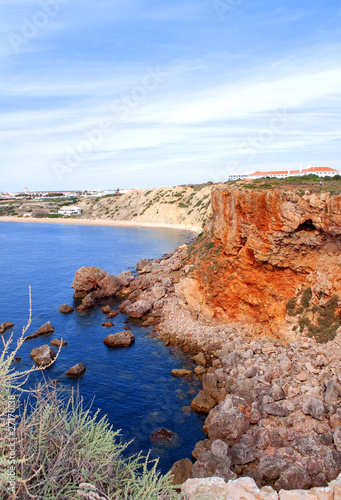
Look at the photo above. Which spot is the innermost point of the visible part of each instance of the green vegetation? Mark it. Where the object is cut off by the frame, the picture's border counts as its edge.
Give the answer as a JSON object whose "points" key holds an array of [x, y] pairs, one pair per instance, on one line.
{"points": [[63, 450], [313, 183], [321, 322]]}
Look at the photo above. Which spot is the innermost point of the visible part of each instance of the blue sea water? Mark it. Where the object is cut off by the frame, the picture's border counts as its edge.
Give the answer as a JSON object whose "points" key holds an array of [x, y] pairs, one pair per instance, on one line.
{"points": [[132, 386]]}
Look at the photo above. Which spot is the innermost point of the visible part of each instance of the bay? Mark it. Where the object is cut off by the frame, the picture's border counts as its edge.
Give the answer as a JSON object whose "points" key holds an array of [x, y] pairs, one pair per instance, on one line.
{"points": [[133, 387]]}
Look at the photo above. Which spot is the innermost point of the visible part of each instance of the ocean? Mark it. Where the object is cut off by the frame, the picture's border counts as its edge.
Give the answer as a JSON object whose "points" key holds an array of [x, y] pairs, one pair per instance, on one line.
{"points": [[132, 386]]}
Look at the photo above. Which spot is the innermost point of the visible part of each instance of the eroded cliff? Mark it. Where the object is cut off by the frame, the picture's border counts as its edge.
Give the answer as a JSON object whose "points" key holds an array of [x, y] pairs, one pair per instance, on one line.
{"points": [[271, 259]]}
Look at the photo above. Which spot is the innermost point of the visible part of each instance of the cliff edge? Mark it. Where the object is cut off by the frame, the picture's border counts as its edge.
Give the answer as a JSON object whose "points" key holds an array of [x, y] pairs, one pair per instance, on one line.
{"points": [[271, 259]]}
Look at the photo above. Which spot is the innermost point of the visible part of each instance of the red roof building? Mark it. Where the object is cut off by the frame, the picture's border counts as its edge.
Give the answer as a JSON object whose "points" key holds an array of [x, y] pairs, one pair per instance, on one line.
{"points": [[281, 174]]}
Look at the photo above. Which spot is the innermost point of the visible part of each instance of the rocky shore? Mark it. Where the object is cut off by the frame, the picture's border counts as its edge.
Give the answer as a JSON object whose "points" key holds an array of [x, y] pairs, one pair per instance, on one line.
{"points": [[273, 408]]}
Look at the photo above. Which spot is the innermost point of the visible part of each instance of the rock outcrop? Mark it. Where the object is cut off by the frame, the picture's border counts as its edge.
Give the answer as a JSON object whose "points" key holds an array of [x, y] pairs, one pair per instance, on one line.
{"points": [[65, 309], [92, 284], [271, 259]]}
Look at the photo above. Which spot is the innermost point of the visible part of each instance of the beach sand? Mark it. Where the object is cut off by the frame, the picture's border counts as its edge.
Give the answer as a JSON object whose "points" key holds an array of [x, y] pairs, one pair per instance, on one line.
{"points": [[101, 222]]}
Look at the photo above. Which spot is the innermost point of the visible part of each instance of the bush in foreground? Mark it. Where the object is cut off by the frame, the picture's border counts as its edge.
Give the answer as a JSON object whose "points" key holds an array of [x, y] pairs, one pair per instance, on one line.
{"points": [[62, 451]]}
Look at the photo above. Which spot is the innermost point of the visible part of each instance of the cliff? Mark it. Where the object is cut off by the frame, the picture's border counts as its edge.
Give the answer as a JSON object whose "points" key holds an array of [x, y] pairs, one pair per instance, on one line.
{"points": [[271, 259], [185, 205]]}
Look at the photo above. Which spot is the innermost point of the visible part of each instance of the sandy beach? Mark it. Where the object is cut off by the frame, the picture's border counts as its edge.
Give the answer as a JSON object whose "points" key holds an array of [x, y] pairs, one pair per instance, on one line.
{"points": [[101, 222]]}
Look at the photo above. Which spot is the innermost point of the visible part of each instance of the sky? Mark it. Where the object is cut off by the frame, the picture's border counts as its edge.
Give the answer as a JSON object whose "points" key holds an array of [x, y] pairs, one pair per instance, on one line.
{"points": [[135, 93]]}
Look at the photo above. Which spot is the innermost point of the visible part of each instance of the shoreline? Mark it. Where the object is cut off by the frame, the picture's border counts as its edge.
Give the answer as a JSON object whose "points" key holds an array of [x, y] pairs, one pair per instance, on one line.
{"points": [[102, 222]]}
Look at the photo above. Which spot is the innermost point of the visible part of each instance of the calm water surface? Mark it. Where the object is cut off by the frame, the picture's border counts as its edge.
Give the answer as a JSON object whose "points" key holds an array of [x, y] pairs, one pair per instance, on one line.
{"points": [[132, 386]]}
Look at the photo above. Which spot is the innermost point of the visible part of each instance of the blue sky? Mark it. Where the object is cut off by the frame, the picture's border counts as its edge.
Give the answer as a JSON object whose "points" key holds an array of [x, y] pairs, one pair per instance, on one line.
{"points": [[144, 94]]}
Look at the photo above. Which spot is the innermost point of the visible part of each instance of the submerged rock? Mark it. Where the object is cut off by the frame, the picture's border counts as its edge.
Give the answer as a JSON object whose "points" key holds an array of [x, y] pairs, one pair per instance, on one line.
{"points": [[43, 330], [5, 326], [43, 355], [163, 436], [181, 372]]}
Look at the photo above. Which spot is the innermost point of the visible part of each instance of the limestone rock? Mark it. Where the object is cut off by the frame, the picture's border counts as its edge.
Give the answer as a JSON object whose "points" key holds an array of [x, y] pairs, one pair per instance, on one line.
{"points": [[76, 371], [228, 421], [332, 393], [314, 407], [120, 339], [138, 309], [46, 329], [144, 266], [43, 355], [242, 454], [125, 278], [271, 466], [109, 286], [293, 478], [209, 465], [65, 309]]}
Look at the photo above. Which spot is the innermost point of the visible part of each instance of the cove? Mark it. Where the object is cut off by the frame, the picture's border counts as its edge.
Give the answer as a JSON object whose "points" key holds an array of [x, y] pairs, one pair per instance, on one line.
{"points": [[133, 386]]}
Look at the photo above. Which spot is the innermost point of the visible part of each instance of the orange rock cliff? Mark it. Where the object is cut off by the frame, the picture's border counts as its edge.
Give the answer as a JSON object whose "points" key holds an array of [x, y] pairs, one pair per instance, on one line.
{"points": [[271, 259]]}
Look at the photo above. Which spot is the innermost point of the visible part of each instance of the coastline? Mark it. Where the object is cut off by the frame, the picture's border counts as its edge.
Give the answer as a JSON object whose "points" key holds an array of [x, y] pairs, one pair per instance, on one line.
{"points": [[103, 222]]}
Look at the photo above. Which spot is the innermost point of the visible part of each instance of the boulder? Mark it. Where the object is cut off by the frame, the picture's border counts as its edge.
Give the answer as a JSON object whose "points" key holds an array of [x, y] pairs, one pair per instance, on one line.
{"points": [[138, 309], [220, 449], [109, 286], [90, 299], [86, 280], [293, 478], [200, 359], [332, 463], [5, 326], [229, 420], [57, 343], [123, 305], [181, 471], [144, 266], [108, 324], [106, 309], [337, 438], [272, 466], [158, 291], [120, 339], [65, 309], [314, 407], [76, 371], [332, 392], [242, 454], [200, 447], [181, 372], [209, 465], [46, 329], [203, 403], [276, 410], [125, 278], [43, 355]]}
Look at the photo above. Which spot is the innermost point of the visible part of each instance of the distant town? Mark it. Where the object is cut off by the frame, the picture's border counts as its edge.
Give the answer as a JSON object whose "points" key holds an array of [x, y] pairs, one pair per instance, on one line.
{"points": [[46, 195]]}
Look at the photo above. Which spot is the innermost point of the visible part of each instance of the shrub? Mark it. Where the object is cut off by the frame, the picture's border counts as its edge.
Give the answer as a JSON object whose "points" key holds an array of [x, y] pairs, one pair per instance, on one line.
{"points": [[64, 451], [306, 297], [290, 305]]}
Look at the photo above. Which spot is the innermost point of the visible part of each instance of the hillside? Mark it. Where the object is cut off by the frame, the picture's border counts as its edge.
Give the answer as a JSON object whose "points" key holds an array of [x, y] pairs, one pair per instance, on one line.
{"points": [[186, 205]]}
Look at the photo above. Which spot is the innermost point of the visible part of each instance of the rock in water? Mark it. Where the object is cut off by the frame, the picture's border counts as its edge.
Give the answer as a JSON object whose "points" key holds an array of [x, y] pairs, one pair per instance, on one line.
{"points": [[106, 309], [76, 371], [5, 326], [203, 403], [43, 355], [162, 436], [43, 330], [57, 343], [181, 372], [120, 339], [87, 279], [65, 309]]}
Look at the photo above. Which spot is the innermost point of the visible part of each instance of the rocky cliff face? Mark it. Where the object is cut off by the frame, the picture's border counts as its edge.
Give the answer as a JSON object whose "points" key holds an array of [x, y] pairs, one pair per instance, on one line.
{"points": [[272, 260]]}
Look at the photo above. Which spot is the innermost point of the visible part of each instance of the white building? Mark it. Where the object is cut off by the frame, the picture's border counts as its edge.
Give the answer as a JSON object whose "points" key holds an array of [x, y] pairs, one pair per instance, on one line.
{"points": [[282, 174], [70, 211]]}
